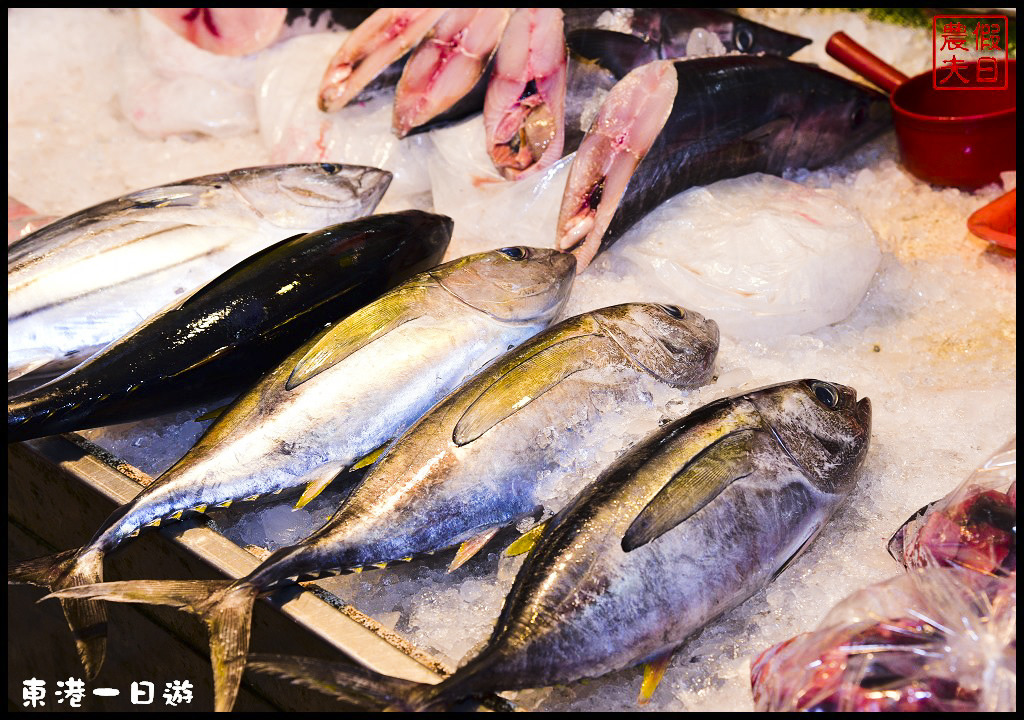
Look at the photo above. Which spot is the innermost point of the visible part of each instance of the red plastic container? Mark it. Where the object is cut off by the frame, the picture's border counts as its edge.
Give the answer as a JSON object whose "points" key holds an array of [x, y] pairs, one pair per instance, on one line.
{"points": [[960, 138], [997, 221]]}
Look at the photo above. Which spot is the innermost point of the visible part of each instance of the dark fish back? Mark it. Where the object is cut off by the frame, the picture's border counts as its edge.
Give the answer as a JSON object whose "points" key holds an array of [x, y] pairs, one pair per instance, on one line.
{"points": [[735, 115], [226, 335]]}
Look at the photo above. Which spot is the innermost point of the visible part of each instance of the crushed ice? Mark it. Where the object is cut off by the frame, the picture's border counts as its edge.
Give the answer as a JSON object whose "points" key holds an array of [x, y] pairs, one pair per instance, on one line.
{"points": [[932, 343]]}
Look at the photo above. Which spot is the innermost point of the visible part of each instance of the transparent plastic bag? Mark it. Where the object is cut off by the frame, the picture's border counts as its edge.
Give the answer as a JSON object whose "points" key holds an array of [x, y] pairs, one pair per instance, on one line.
{"points": [[919, 642], [973, 530]]}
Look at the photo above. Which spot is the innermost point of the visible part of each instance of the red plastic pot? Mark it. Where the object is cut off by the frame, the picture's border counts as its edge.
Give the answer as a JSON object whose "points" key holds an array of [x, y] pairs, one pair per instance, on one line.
{"points": [[962, 138]]}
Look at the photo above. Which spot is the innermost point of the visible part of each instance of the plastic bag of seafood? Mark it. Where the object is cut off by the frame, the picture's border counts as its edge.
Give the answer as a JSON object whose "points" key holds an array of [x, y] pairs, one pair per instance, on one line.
{"points": [[918, 642], [973, 530]]}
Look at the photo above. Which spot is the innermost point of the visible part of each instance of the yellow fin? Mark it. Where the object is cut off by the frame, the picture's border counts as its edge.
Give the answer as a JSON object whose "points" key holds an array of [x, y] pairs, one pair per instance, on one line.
{"points": [[226, 503], [653, 672], [380, 565], [523, 383], [317, 485], [362, 327], [699, 482], [370, 459], [471, 547], [200, 508], [154, 523], [527, 540], [176, 515], [252, 497], [212, 414], [357, 569]]}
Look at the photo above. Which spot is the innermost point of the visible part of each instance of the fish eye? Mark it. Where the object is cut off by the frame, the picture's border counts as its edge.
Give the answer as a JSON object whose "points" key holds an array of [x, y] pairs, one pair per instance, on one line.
{"points": [[826, 394], [673, 310], [744, 38], [516, 253], [329, 168]]}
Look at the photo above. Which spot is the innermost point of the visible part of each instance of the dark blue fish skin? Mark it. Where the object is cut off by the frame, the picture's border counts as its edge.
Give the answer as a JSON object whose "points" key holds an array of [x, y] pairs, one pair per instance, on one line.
{"points": [[734, 115], [666, 31], [233, 330]]}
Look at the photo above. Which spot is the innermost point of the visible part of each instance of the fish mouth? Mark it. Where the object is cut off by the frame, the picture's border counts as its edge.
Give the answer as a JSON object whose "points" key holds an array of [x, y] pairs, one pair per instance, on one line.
{"points": [[863, 413]]}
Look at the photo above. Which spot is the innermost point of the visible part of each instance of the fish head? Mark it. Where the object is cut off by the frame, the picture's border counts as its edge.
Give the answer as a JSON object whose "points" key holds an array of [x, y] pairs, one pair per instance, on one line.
{"points": [[311, 195], [822, 427], [513, 284], [676, 345], [840, 115], [753, 38]]}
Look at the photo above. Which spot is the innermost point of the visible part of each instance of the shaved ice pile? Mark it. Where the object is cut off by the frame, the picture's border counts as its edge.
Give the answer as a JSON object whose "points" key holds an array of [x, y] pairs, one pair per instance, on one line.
{"points": [[892, 296]]}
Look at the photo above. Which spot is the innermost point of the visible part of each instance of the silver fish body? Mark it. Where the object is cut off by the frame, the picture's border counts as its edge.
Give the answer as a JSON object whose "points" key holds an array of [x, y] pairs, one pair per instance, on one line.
{"points": [[351, 389], [683, 527], [494, 450], [361, 383], [686, 525], [85, 280]]}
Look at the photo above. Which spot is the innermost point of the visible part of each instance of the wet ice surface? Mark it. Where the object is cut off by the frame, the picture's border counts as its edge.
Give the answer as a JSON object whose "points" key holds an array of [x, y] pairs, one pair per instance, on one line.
{"points": [[933, 344]]}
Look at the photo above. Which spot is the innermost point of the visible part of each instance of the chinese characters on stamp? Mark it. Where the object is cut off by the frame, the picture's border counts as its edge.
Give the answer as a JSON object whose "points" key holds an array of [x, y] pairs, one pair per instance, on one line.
{"points": [[970, 52]]}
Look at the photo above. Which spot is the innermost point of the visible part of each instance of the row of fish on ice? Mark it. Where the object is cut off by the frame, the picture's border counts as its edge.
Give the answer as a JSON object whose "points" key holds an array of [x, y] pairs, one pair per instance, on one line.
{"points": [[787, 453], [800, 442]]}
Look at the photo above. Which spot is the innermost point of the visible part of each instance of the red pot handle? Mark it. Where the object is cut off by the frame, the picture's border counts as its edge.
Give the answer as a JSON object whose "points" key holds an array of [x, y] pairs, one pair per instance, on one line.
{"points": [[859, 59]]}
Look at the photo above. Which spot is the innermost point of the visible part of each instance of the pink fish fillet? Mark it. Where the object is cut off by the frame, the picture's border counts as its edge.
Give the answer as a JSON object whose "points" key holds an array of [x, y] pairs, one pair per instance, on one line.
{"points": [[626, 126], [446, 65], [225, 31], [23, 220], [524, 110], [380, 40]]}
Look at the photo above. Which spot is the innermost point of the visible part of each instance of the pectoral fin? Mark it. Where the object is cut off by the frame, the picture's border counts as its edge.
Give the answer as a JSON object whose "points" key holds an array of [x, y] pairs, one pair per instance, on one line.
{"points": [[761, 140], [471, 547], [358, 330], [317, 485], [698, 483], [523, 384], [527, 540]]}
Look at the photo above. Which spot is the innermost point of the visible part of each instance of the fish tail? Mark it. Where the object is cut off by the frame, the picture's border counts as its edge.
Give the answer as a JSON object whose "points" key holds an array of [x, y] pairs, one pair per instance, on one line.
{"points": [[87, 618], [225, 607], [358, 686]]}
